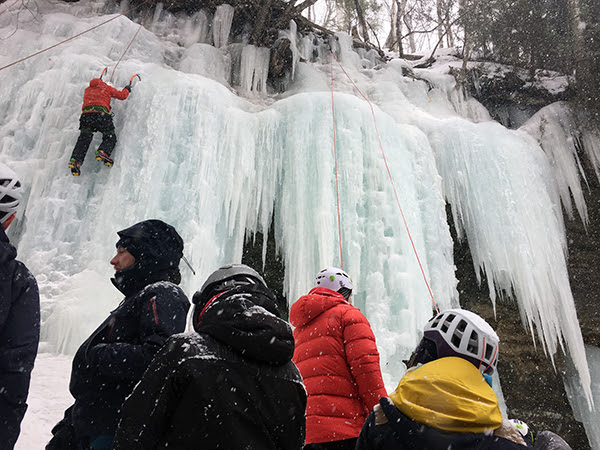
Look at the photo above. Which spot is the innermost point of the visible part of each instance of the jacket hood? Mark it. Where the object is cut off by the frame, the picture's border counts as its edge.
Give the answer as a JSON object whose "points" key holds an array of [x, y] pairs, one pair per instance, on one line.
{"points": [[312, 305], [245, 318], [157, 249], [95, 82], [448, 394], [7, 250]]}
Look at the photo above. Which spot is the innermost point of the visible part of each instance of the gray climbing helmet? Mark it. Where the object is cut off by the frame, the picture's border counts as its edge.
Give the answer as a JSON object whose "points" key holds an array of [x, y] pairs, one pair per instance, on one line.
{"points": [[224, 279]]}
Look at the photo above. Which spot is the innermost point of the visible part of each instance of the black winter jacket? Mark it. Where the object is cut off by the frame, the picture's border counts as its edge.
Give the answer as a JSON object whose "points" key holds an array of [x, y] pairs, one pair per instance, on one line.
{"points": [[19, 338], [232, 385], [401, 433], [112, 360]]}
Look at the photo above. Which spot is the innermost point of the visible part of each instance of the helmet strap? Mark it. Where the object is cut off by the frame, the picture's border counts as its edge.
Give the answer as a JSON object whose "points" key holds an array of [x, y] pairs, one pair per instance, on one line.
{"points": [[8, 221]]}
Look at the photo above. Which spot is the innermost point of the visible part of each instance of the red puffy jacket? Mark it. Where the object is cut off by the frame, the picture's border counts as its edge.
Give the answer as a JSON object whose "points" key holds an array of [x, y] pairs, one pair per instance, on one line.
{"points": [[339, 362], [99, 93]]}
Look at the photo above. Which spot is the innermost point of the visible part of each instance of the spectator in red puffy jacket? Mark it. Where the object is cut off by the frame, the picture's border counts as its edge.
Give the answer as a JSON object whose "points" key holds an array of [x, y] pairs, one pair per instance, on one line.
{"points": [[96, 116], [338, 360]]}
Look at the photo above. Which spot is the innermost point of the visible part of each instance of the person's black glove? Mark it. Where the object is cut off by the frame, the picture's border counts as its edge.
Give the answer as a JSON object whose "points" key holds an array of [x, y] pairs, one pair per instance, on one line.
{"points": [[128, 87]]}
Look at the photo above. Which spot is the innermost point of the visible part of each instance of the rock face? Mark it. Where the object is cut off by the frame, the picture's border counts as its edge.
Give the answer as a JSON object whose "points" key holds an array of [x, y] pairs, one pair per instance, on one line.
{"points": [[513, 95]]}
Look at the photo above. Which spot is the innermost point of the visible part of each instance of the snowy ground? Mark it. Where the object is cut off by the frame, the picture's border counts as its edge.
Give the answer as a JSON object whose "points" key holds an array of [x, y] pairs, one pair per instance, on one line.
{"points": [[48, 398]]}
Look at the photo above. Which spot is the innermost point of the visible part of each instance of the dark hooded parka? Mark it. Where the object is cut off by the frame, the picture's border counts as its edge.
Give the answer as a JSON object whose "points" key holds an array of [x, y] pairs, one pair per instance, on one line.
{"points": [[231, 385], [112, 360], [19, 338]]}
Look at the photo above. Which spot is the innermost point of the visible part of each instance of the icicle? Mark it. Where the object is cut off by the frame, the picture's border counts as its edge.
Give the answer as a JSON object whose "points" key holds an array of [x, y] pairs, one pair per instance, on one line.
{"points": [[254, 69], [222, 25], [196, 29], [157, 12]]}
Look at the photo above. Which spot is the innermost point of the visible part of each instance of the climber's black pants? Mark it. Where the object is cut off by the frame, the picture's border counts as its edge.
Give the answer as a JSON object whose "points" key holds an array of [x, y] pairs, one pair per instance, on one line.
{"points": [[89, 123]]}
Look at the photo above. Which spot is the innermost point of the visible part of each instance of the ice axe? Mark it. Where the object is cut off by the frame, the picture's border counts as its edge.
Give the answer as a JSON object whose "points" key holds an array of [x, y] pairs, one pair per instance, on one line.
{"points": [[132, 77]]}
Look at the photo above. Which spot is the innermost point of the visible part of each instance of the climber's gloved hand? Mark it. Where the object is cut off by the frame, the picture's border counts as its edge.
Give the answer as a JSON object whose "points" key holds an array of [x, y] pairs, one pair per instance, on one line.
{"points": [[128, 87]]}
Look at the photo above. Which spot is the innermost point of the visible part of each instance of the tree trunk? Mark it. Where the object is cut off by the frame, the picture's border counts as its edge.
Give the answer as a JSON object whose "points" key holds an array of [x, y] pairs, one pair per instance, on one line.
{"points": [[440, 10], [407, 20], [261, 20], [392, 39], [585, 59], [362, 24]]}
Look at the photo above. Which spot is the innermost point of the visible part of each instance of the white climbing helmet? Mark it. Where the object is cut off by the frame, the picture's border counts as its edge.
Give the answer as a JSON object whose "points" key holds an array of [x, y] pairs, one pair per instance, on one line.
{"points": [[10, 192], [334, 279], [521, 426], [458, 332]]}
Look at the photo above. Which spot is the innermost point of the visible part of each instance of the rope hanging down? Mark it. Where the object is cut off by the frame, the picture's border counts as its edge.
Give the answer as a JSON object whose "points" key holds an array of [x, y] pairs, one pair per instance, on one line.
{"points": [[337, 190], [389, 175], [73, 37], [130, 42]]}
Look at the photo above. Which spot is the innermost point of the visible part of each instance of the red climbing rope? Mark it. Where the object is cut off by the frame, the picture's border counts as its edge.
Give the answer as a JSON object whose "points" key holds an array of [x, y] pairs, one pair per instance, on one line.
{"points": [[337, 191], [8, 7], [73, 37], [390, 177], [130, 42]]}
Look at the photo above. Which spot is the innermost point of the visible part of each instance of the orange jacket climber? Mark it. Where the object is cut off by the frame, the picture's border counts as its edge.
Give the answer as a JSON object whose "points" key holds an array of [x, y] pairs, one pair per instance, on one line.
{"points": [[100, 93], [96, 116]]}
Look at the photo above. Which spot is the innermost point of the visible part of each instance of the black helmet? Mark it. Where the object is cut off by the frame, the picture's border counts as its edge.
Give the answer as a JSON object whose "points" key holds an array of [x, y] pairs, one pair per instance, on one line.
{"points": [[224, 279]]}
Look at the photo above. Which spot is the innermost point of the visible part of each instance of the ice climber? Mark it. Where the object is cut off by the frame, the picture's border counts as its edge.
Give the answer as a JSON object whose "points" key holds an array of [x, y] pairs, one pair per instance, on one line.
{"points": [[96, 116], [230, 385], [338, 359], [112, 360], [445, 399], [19, 318]]}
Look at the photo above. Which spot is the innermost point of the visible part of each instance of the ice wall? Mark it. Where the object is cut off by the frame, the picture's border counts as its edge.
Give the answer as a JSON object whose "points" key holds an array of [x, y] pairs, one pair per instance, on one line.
{"points": [[218, 165], [579, 402]]}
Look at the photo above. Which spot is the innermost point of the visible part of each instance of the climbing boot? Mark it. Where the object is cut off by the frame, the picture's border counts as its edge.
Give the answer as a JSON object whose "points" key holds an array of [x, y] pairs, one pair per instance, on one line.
{"points": [[75, 167], [102, 156]]}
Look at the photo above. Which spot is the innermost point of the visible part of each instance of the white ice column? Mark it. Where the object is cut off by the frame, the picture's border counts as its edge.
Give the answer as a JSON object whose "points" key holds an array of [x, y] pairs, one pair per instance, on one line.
{"points": [[222, 25]]}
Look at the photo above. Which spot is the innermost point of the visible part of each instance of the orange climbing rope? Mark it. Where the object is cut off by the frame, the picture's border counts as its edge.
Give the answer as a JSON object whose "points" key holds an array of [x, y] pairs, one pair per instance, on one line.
{"points": [[389, 175], [8, 7], [130, 42], [73, 37], [337, 191]]}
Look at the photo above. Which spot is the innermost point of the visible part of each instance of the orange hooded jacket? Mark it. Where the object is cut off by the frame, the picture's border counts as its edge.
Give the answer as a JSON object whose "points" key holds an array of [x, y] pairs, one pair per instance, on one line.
{"points": [[98, 93]]}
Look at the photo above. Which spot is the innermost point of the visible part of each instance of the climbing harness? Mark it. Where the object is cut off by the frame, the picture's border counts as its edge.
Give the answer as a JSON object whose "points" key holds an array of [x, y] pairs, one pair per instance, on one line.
{"points": [[389, 175]]}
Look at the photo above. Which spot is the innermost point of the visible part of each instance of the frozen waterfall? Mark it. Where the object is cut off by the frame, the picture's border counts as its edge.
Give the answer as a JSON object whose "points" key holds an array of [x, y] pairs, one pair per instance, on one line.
{"points": [[202, 146]]}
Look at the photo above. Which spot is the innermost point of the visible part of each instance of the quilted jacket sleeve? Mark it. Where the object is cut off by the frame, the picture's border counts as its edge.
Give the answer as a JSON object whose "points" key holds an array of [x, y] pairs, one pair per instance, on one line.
{"points": [[118, 94], [363, 357]]}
